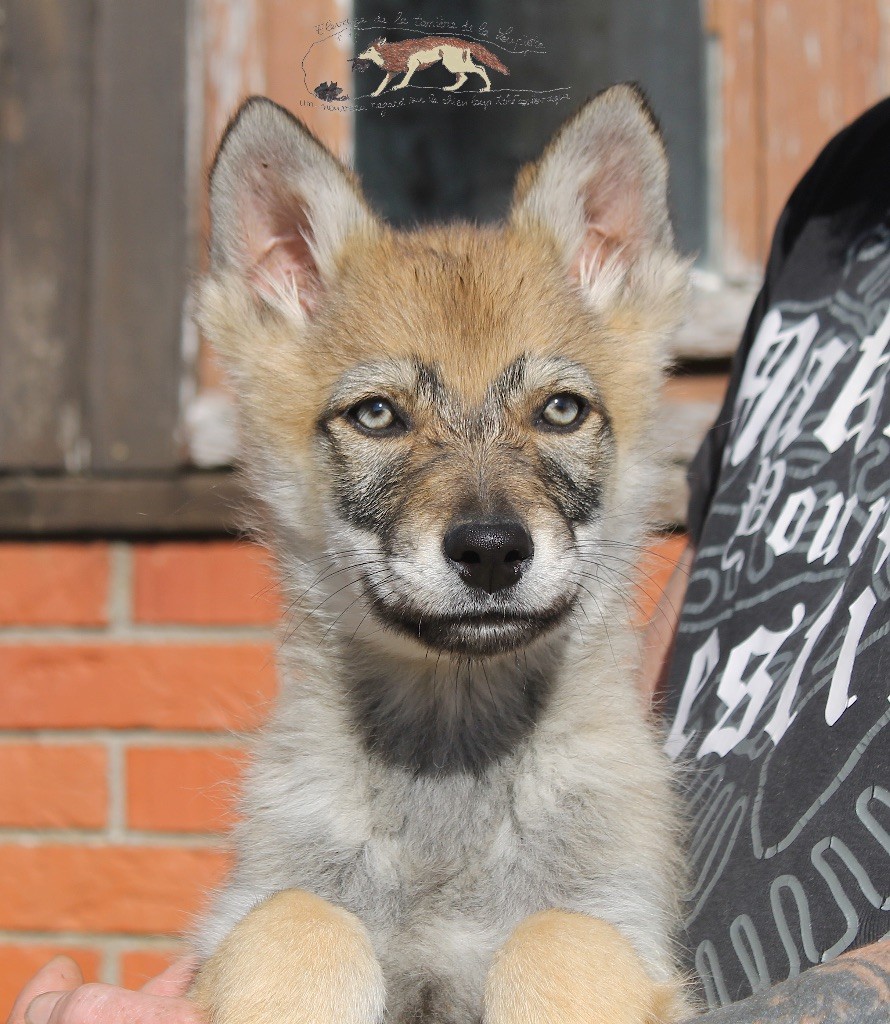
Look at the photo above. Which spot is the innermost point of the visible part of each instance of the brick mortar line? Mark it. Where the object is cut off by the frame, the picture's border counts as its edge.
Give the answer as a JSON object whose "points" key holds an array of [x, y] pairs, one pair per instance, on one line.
{"points": [[114, 949], [98, 940], [116, 778], [110, 950], [110, 965], [100, 839], [120, 586], [180, 739]]}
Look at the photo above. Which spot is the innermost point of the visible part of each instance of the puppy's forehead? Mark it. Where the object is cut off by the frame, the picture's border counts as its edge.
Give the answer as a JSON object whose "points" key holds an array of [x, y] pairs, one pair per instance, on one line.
{"points": [[481, 306], [527, 373]]}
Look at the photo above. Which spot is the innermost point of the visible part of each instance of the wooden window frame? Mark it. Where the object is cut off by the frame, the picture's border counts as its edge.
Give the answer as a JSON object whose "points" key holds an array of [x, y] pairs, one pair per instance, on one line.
{"points": [[103, 429], [98, 228]]}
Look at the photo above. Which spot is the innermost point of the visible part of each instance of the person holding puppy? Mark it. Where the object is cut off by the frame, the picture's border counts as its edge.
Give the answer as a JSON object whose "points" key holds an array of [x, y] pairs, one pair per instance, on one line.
{"points": [[775, 697]]}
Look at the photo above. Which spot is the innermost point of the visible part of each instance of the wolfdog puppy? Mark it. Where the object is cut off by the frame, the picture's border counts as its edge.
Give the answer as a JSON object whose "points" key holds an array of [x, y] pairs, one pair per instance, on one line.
{"points": [[458, 811]]}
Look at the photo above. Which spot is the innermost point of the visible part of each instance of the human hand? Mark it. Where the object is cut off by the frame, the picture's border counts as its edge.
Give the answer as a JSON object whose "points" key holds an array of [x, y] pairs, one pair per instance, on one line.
{"points": [[57, 995], [853, 989]]}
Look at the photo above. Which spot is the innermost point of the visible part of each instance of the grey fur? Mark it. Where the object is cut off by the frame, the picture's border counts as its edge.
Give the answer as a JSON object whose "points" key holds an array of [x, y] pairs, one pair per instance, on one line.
{"points": [[576, 810]]}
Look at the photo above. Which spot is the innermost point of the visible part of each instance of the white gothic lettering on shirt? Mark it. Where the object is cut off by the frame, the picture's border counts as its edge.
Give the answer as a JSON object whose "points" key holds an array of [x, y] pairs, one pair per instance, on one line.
{"points": [[784, 375]]}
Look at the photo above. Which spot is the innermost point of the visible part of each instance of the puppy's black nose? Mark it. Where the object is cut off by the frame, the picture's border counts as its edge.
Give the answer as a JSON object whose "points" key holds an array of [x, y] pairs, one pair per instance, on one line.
{"points": [[489, 556]]}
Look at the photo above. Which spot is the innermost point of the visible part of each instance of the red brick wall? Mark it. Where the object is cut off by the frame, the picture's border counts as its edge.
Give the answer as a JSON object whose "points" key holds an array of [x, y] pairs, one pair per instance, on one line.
{"points": [[127, 673]]}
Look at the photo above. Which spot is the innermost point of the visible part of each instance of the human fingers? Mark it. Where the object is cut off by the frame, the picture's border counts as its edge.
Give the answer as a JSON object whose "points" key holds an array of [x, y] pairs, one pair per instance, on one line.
{"points": [[176, 980], [106, 1004], [61, 974]]}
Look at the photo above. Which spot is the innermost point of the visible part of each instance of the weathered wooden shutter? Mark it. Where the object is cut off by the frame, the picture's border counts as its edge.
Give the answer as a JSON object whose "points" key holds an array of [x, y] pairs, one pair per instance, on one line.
{"points": [[94, 235], [95, 239]]}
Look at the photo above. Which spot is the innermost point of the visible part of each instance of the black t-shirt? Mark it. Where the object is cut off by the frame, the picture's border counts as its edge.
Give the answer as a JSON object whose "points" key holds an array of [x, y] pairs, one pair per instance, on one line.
{"points": [[779, 685]]}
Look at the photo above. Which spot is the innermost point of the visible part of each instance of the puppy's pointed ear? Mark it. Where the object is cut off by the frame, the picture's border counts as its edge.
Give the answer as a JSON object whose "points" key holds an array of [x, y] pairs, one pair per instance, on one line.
{"points": [[600, 186], [281, 208]]}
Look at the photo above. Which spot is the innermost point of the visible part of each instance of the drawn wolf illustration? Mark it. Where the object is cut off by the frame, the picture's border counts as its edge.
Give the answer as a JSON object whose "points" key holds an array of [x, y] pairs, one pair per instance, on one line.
{"points": [[412, 55], [459, 810]]}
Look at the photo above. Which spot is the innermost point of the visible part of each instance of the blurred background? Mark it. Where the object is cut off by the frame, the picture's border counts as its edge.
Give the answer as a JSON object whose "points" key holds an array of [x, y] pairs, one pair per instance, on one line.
{"points": [[135, 627]]}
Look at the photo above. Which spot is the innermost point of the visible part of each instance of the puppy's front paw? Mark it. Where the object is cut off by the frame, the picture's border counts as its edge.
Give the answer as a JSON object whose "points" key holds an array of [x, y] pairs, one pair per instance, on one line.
{"points": [[294, 959], [564, 968]]}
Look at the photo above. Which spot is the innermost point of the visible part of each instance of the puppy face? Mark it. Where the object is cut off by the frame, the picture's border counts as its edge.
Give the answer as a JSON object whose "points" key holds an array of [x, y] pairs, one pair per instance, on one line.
{"points": [[450, 415]]}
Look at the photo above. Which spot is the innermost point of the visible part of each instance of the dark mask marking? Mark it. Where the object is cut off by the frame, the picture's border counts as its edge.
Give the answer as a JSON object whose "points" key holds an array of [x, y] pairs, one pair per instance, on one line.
{"points": [[461, 723], [364, 496], [429, 383], [510, 381], [434, 1003], [577, 501]]}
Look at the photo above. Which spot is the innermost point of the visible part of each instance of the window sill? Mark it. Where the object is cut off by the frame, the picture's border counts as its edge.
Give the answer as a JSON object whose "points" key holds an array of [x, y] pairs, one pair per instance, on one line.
{"points": [[190, 503]]}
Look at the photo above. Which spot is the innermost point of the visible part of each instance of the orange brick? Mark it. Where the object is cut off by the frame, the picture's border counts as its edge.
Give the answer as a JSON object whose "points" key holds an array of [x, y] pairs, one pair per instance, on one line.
{"points": [[49, 786], [129, 890], [53, 584], [174, 790], [213, 583], [19, 964], [707, 387], [122, 686], [138, 966], [656, 566]]}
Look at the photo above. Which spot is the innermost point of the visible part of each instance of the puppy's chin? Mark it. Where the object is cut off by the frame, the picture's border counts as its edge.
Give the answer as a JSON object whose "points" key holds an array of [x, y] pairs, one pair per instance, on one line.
{"points": [[474, 636]]}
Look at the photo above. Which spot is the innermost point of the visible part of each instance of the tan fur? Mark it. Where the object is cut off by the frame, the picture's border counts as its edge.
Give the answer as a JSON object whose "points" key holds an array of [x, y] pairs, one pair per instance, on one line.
{"points": [[464, 274], [562, 968], [293, 943], [316, 306], [556, 968]]}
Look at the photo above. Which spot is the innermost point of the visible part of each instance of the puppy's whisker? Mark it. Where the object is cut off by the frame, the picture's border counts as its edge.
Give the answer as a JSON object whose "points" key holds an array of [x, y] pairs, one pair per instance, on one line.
{"points": [[620, 593], [351, 605], [325, 575], [310, 613]]}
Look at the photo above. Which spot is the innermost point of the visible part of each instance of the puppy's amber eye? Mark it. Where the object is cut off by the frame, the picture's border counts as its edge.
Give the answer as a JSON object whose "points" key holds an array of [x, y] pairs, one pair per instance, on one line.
{"points": [[376, 416], [563, 412]]}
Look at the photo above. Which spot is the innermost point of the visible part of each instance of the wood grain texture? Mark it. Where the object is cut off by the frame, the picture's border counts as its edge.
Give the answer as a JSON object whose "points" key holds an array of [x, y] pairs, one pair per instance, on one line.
{"points": [[737, 24], [139, 236], [861, 57], [794, 73], [292, 44], [207, 504], [802, 85], [44, 167]]}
